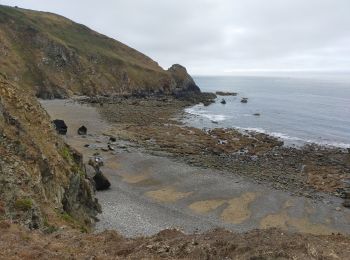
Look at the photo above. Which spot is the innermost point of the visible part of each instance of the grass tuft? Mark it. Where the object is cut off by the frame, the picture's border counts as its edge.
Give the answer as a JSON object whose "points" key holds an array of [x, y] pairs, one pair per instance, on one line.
{"points": [[24, 204], [66, 154], [68, 218]]}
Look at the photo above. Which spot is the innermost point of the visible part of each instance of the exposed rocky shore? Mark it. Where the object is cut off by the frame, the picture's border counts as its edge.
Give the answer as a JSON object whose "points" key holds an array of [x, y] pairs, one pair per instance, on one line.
{"points": [[155, 123], [157, 119]]}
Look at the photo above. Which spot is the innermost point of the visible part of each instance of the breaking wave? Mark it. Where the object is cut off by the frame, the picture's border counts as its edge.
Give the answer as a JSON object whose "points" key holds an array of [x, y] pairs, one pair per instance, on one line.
{"points": [[284, 137], [206, 114]]}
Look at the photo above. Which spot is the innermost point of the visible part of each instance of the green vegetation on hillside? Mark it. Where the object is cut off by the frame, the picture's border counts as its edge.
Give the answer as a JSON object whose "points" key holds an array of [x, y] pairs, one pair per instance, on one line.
{"points": [[56, 57]]}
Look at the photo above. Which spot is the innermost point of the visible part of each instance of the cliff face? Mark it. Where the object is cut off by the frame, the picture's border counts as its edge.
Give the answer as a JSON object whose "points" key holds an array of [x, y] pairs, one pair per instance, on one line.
{"points": [[41, 178], [56, 58]]}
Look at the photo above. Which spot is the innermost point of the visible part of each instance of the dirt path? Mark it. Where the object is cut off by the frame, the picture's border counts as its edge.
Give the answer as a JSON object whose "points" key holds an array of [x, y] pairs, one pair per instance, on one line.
{"points": [[150, 193]]}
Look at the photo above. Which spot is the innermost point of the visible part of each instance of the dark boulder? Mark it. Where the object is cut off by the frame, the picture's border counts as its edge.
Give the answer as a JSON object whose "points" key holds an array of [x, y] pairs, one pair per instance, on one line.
{"points": [[346, 203], [244, 100], [101, 182], [112, 139], [82, 130], [223, 101], [60, 126]]}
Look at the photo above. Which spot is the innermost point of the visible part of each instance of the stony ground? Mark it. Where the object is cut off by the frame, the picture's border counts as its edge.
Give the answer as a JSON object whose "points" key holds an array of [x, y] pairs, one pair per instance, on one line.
{"points": [[17, 243], [156, 135], [153, 124], [150, 193]]}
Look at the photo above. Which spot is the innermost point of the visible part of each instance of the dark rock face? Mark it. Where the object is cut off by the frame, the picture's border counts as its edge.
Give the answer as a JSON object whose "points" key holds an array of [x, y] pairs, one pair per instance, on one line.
{"points": [[46, 176], [100, 181], [82, 130], [183, 81], [60, 126], [79, 199]]}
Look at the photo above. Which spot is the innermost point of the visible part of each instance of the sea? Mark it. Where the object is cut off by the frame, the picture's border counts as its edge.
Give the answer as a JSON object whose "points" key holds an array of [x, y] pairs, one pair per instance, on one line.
{"points": [[296, 109]]}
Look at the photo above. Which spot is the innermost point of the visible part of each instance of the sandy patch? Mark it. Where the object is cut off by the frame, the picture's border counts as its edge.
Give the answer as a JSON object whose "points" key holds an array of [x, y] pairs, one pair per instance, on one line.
{"points": [[206, 206], [132, 179], [112, 164], [167, 194], [238, 209], [284, 221]]}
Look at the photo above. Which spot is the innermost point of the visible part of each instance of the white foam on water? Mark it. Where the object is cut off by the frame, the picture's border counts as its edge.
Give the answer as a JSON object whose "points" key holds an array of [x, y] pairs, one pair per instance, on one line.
{"points": [[204, 113], [329, 144], [286, 137], [199, 110]]}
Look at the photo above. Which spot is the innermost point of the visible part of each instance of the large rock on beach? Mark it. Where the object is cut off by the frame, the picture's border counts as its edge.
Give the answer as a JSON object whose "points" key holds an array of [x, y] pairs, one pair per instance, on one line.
{"points": [[60, 126], [82, 130], [101, 182]]}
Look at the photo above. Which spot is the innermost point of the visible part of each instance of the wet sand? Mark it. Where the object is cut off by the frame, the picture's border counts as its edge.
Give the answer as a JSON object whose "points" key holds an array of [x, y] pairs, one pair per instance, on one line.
{"points": [[152, 192]]}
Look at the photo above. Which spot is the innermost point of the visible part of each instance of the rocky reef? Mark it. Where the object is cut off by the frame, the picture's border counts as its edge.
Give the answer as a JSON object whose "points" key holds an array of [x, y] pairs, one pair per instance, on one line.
{"points": [[42, 180]]}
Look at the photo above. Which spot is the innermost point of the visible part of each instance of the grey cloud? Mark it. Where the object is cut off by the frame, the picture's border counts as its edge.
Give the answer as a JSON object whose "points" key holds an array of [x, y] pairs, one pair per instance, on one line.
{"points": [[214, 36]]}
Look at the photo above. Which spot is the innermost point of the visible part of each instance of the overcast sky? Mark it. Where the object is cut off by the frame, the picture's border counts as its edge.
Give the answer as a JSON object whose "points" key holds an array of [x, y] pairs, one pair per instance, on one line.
{"points": [[220, 36]]}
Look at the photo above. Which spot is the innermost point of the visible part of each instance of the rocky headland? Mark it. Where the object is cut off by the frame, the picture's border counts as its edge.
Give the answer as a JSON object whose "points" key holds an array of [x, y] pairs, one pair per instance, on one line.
{"points": [[54, 57]]}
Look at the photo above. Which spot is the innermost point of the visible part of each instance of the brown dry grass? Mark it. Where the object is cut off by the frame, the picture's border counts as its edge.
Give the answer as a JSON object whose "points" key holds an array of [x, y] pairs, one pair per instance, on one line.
{"points": [[17, 243]]}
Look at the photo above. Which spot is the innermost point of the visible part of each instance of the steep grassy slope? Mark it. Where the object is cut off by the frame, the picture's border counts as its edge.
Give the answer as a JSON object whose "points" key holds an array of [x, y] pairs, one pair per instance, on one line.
{"points": [[42, 180], [56, 57]]}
